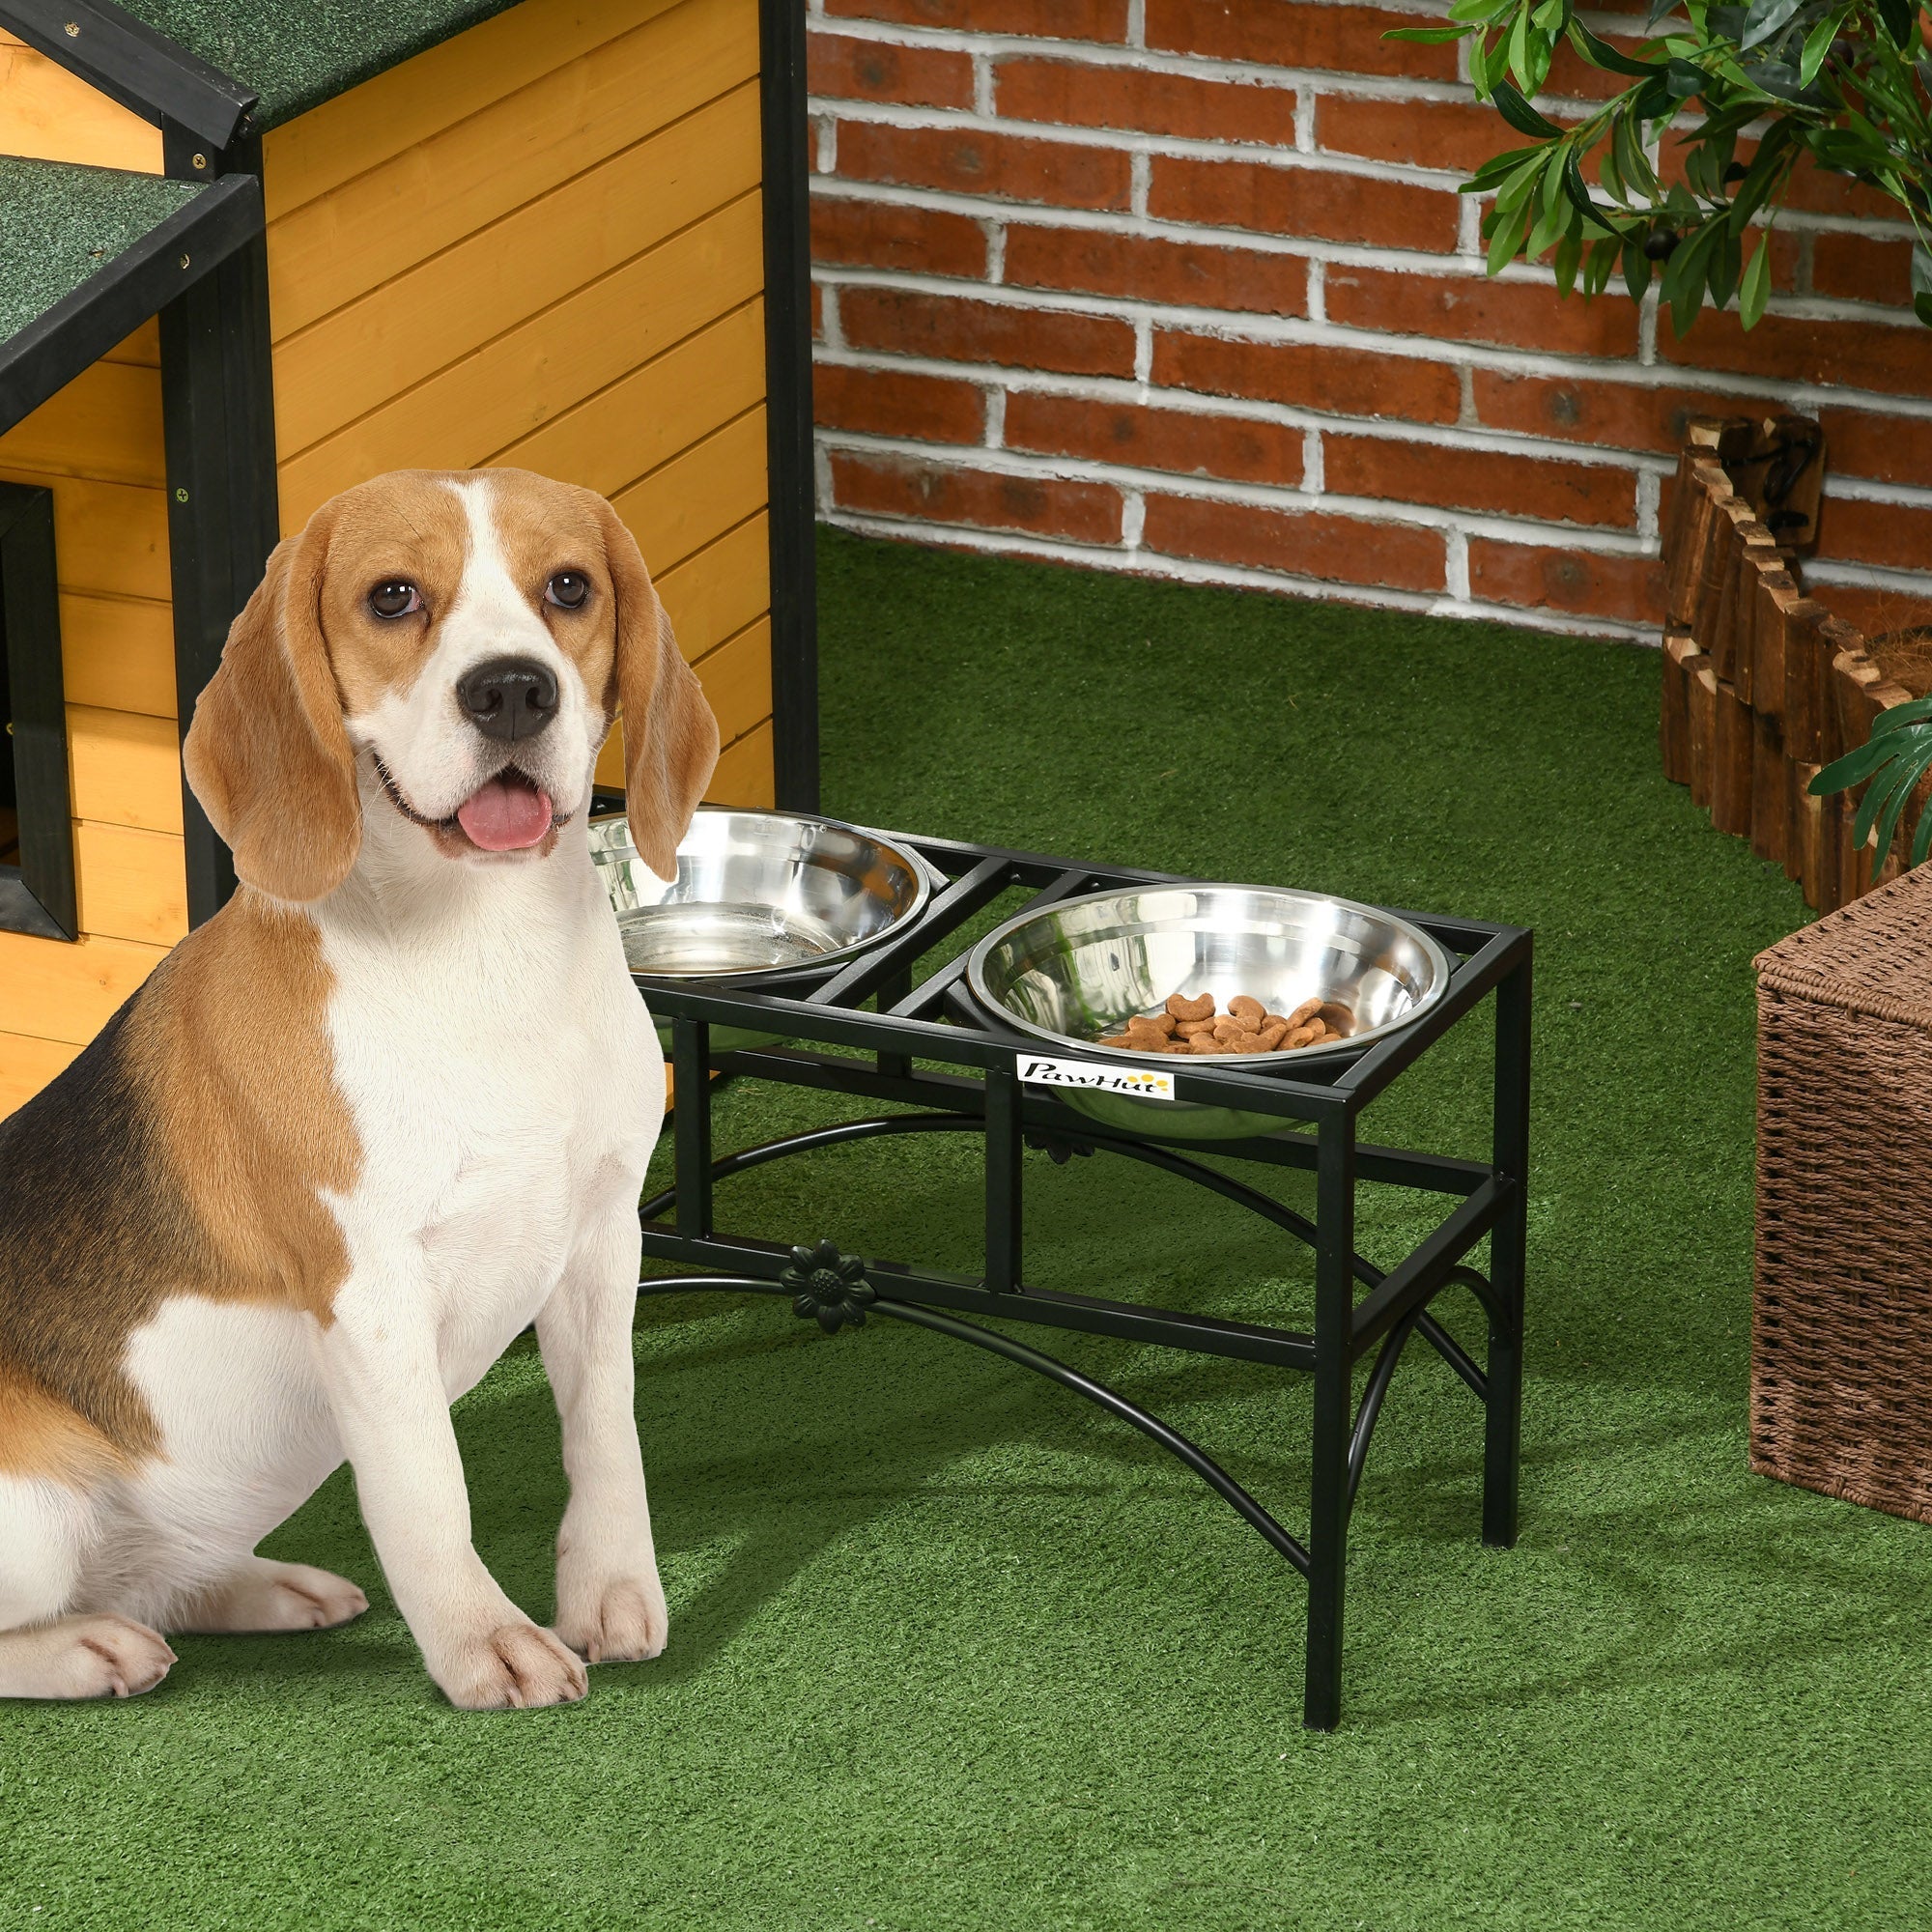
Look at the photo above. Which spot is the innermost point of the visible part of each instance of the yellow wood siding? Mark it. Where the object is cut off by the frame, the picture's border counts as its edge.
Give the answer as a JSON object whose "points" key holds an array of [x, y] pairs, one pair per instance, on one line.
{"points": [[51, 115], [538, 244], [97, 446]]}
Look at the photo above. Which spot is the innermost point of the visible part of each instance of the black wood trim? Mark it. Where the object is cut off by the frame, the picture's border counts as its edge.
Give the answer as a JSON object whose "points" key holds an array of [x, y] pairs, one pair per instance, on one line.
{"points": [[789, 456], [38, 895], [52, 350], [218, 426], [129, 62]]}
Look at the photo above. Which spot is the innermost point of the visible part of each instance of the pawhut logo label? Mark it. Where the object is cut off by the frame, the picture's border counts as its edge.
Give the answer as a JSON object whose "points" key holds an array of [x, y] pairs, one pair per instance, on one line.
{"points": [[1141, 1083]]}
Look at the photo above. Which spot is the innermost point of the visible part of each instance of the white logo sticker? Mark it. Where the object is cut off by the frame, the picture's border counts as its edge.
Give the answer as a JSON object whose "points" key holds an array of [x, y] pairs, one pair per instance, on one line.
{"points": [[1142, 1083]]}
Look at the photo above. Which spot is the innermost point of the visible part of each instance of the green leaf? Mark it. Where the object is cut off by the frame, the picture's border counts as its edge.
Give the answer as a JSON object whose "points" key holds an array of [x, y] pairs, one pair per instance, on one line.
{"points": [[1685, 80], [1597, 257], [1428, 37], [1518, 54], [1683, 279], [1755, 287], [1637, 266], [1569, 256], [1600, 54], [1508, 237], [1912, 712], [1879, 794], [1521, 115], [1632, 161], [1726, 257], [1817, 45], [1515, 192], [1767, 18], [1854, 768], [1922, 840], [1578, 191], [1921, 307]]}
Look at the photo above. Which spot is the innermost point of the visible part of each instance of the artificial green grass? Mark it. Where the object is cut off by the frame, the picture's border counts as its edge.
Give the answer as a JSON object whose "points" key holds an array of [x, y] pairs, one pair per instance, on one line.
{"points": [[61, 224], [950, 1649]]}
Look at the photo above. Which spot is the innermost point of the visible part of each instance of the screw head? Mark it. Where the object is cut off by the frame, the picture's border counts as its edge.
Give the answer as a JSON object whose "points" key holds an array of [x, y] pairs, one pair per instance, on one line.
{"points": [[180, 495], [201, 160], [183, 261], [73, 30]]}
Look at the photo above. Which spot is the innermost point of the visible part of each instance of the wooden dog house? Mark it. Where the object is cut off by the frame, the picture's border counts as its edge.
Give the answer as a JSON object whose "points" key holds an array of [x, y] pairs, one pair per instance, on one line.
{"points": [[253, 251]]}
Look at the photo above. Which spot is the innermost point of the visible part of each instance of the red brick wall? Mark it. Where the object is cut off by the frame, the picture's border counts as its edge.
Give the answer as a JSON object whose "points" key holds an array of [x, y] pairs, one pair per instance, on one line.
{"points": [[1184, 286]]}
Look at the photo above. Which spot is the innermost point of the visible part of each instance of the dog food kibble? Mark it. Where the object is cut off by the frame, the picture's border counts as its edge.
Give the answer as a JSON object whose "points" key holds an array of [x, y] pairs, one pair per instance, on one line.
{"points": [[1193, 1026]]}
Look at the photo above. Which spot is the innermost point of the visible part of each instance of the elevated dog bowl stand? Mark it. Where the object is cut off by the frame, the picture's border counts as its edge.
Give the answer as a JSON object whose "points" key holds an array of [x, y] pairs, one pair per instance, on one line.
{"points": [[1359, 1310]]}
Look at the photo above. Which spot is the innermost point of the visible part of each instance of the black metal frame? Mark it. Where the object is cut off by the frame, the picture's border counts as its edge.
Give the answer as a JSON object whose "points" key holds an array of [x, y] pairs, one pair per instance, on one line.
{"points": [[939, 1022], [789, 448], [38, 895]]}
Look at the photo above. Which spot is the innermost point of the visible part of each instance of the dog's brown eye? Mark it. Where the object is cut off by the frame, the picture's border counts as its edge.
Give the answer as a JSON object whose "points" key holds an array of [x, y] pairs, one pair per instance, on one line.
{"points": [[396, 597], [569, 588]]}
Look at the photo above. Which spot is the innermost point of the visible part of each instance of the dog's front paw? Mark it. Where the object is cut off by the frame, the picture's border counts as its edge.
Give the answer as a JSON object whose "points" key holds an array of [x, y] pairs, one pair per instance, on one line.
{"points": [[517, 1666], [613, 1619]]}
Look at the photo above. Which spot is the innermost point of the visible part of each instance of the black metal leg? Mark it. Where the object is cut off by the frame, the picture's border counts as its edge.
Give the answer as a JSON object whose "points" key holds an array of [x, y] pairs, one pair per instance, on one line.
{"points": [[1503, 1435], [1328, 1513], [690, 1127], [1003, 1181], [895, 1065]]}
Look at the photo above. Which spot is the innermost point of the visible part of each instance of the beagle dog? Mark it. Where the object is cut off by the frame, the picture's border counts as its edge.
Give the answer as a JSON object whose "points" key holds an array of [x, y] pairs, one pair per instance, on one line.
{"points": [[386, 1108]]}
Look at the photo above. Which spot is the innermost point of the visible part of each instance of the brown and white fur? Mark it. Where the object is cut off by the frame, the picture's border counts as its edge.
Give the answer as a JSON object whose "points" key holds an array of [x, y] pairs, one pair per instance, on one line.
{"points": [[386, 1108]]}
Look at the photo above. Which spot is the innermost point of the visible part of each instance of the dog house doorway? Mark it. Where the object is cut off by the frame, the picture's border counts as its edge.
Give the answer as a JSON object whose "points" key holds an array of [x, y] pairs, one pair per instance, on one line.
{"points": [[37, 874]]}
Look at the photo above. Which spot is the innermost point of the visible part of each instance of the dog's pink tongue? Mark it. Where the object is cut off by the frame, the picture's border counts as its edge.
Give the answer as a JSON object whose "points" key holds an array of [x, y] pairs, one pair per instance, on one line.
{"points": [[505, 817]]}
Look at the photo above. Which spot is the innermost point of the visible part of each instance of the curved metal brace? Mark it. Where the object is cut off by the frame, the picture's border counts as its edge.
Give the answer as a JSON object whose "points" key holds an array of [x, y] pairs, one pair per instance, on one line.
{"points": [[1172, 1440], [1372, 1396], [1239, 1192], [821, 1137], [1417, 1321]]}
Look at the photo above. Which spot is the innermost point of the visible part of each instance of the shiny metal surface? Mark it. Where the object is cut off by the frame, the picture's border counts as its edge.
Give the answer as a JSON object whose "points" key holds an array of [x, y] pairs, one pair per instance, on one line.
{"points": [[756, 893], [1076, 970]]}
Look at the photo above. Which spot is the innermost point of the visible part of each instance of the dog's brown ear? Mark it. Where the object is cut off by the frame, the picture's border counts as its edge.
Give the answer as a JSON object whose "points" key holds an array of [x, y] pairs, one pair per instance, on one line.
{"points": [[670, 736], [268, 755]]}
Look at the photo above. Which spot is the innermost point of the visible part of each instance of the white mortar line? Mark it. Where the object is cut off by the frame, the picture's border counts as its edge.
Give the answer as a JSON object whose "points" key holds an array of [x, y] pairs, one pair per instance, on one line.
{"points": [[1313, 464], [1051, 215], [995, 232], [827, 143], [1189, 570], [1649, 495], [1866, 576], [1290, 415], [996, 419], [1137, 24], [1140, 182], [982, 84], [1134, 518], [829, 321], [1456, 566], [1607, 542], [1248, 326]]}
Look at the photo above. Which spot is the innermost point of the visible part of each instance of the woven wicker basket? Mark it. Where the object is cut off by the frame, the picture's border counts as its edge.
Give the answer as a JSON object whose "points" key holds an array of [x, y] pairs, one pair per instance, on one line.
{"points": [[1841, 1330]]}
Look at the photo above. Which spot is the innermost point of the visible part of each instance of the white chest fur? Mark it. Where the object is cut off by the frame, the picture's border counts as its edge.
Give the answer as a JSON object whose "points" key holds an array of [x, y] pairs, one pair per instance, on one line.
{"points": [[504, 1082]]}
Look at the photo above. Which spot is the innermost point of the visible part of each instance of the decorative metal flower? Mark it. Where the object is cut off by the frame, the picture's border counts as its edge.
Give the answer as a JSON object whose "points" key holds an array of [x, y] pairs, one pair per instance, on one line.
{"points": [[828, 1287]]}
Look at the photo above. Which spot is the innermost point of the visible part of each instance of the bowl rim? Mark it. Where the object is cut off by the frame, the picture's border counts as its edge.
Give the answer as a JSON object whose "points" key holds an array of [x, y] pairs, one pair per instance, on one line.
{"points": [[1278, 1061], [921, 873]]}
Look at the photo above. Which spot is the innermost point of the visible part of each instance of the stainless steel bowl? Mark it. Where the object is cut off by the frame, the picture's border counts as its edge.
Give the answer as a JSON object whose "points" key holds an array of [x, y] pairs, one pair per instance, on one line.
{"points": [[758, 893], [1074, 971]]}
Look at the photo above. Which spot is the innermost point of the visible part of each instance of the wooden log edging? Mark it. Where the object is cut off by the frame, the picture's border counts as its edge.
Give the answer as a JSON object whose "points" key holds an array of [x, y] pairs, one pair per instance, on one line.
{"points": [[1762, 686]]}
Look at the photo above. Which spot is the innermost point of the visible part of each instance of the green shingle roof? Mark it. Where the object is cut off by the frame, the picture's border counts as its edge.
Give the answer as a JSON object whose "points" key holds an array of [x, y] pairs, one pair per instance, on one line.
{"points": [[298, 53], [61, 224]]}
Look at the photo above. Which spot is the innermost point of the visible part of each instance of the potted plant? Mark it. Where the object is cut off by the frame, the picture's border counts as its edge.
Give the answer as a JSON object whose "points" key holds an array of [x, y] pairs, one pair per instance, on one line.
{"points": [[1842, 81]]}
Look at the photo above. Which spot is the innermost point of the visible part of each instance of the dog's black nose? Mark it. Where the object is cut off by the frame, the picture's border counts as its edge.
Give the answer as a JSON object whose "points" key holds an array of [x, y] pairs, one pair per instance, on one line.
{"points": [[508, 698]]}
